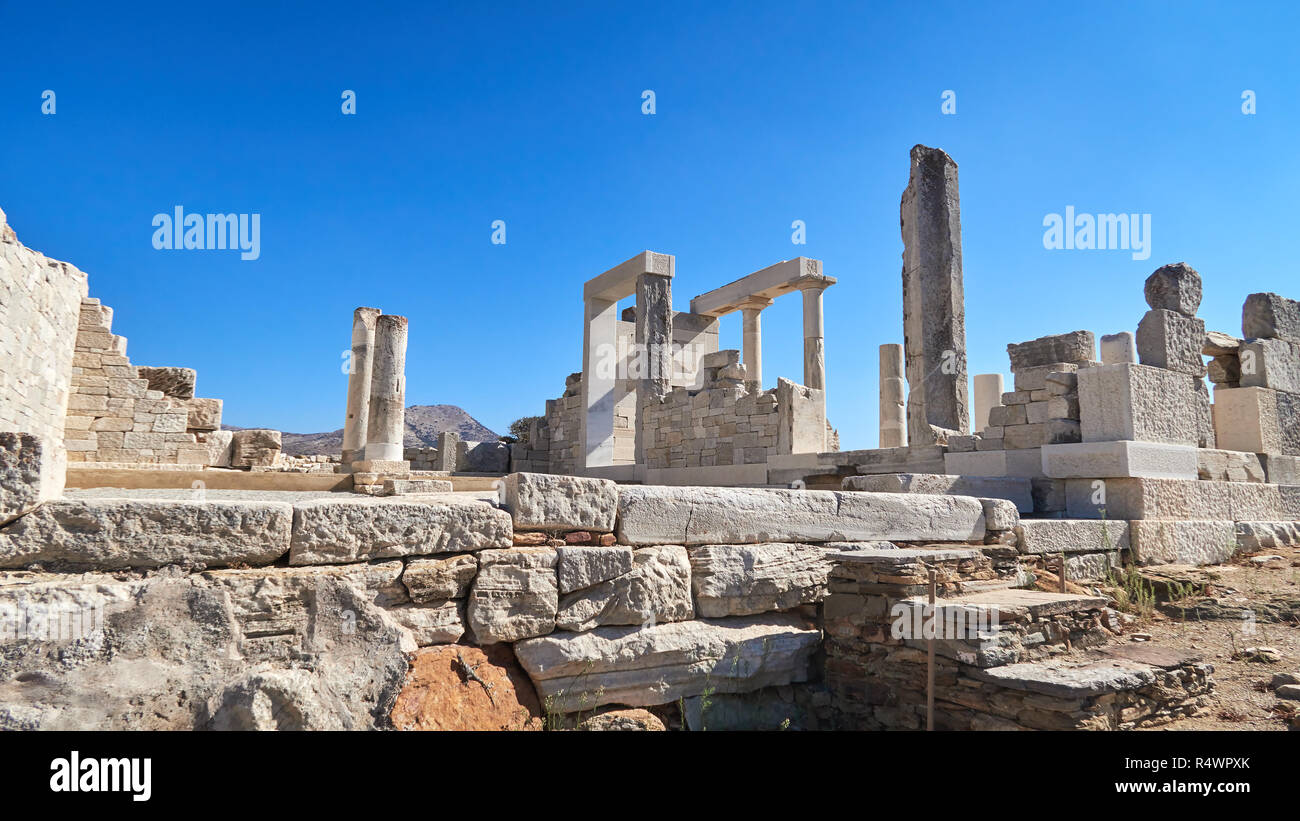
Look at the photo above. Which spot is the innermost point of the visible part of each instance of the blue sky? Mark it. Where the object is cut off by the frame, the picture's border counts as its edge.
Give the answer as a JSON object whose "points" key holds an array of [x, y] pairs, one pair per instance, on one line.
{"points": [[531, 113]]}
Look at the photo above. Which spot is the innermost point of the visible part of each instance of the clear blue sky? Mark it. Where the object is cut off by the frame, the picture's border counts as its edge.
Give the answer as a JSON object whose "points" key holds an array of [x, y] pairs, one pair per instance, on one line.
{"points": [[766, 113]]}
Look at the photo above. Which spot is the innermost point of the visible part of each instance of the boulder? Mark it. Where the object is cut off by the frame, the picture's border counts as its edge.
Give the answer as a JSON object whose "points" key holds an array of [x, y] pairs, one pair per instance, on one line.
{"points": [[658, 588], [440, 694], [639, 667], [1175, 287], [539, 501], [326, 531], [743, 580], [623, 720], [116, 533], [514, 595]]}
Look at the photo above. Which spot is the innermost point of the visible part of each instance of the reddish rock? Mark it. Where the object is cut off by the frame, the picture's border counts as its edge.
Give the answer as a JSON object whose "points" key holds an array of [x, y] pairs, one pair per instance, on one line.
{"points": [[577, 537], [438, 695], [607, 539], [536, 539]]}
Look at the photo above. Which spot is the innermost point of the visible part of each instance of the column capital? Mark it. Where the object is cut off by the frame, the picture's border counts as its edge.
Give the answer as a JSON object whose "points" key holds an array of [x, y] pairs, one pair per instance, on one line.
{"points": [[755, 303], [814, 283]]}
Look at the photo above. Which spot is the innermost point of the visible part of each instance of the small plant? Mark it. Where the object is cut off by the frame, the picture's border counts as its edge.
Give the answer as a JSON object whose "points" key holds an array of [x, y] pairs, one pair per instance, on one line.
{"points": [[1133, 594]]}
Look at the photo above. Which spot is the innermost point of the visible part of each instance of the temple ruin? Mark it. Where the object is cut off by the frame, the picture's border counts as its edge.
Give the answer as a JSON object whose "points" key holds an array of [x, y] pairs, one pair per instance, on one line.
{"points": [[669, 536]]}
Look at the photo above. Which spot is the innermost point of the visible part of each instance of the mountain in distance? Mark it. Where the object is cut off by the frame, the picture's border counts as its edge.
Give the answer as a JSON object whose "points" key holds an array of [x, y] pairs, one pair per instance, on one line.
{"points": [[423, 424]]}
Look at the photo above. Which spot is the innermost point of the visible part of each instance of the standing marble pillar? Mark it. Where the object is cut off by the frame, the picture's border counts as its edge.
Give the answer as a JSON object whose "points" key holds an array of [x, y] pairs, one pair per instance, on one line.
{"points": [[751, 334], [387, 423], [814, 333], [934, 308], [654, 338], [893, 418], [356, 424], [988, 395]]}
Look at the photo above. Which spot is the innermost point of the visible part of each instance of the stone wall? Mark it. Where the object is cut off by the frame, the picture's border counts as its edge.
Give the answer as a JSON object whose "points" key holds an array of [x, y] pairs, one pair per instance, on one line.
{"points": [[40, 299], [116, 415]]}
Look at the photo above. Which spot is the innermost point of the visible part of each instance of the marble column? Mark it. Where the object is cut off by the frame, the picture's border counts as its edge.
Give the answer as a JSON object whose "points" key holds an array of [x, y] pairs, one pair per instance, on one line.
{"points": [[752, 341], [934, 308], [988, 395], [355, 425], [814, 342], [387, 424], [599, 375], [893, 393]]}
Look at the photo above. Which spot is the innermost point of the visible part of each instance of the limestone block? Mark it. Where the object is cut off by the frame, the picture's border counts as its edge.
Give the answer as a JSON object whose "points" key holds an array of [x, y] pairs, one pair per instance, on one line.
{"points": [[1076, 348], [1023, 462], [177, 383], [1229, 466], [1138, 402], [204, 414], [1225, 370], [1014, 489], [657, 589], [1001, 515], [1220, 344], [1118, 349], [1182, 542], [1092, 460], [1280, 469], [30, 473], [1175, 287], [1248, 419], [651, 515], [1270, 316], [1083, 567], [660, 664], [255, 447], [1146, 499], [220, 445], [581, 567], [743, 580], [360, 529], [538, 501], [1072, 536], [1270, 363], [410, 487], [116, 533], [1253, 536], [440, 622], [514, 595], [444, 577], [1036, 378], [1168, 339]]}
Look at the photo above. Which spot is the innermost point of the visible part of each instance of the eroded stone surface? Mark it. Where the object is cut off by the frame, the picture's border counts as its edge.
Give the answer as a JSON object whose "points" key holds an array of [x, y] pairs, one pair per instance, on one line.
{"points": [[705, 515], [538, 501], [440, 695], [446, 577], [641, 667], [743, 580], [657, 589], [113, 533], [514, 595], [350, 530]]}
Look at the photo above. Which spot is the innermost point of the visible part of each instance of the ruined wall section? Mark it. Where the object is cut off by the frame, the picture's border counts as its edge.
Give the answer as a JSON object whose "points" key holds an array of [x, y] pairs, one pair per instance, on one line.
{"points": [[40, 299], [119, 413]]}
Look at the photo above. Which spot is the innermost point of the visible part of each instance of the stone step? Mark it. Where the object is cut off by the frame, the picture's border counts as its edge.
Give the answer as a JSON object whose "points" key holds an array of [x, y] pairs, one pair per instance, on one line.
{"points": [[1012, 489], [1072, 535], [1118, 668], [1013, 604], [651, 515], [1174, 499]]}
